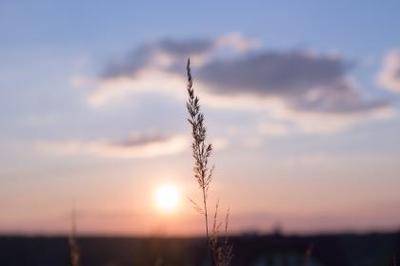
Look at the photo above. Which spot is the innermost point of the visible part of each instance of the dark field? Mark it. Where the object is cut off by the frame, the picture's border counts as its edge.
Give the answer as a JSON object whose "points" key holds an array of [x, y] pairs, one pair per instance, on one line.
{"points": [[255, 250]]}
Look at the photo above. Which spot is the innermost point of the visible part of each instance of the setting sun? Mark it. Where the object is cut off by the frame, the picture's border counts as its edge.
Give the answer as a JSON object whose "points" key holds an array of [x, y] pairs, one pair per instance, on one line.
{"points": [[167, 198]]}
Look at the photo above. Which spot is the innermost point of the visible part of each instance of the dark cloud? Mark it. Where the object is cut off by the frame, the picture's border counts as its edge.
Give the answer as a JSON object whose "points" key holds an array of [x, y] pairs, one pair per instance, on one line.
{"points": [[121, 69], [397, 74], [271, 73], [339, 97], [303, 81], [184, 48], [145, 54], [139, 140]]}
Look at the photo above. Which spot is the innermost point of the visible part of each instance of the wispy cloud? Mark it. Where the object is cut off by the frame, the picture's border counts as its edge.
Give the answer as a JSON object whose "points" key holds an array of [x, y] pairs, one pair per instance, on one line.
{"points": [[274, 128], [135, 146], [389, 77], [315, 91]]}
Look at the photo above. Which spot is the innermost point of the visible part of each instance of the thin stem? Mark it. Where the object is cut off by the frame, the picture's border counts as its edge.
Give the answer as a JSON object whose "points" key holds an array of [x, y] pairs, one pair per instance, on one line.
{"points": [[206, 213]]}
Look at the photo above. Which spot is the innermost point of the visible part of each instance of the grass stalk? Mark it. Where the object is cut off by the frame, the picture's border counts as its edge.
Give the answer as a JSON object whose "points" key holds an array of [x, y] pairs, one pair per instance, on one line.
{"points": [[73, 243], [221, 253]]}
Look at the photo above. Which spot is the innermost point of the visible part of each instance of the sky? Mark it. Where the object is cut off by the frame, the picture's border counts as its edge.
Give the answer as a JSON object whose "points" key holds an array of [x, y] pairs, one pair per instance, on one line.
{"points": [[301, 102]]}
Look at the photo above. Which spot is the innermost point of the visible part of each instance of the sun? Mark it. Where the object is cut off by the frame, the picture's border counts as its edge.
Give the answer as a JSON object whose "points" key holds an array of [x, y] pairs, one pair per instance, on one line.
{"points": [[167, 198]]}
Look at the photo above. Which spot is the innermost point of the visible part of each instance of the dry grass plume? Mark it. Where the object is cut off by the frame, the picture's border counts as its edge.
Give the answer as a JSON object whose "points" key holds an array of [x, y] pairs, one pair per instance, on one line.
{"points": [[221, 250]]}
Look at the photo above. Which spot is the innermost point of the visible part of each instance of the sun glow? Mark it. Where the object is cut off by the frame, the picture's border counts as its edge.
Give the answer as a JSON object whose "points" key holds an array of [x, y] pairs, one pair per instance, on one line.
{"points": [[167, 198]]}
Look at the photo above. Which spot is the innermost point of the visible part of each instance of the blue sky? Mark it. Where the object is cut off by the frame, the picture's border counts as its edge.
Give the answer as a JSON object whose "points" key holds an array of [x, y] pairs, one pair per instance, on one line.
{"points": [[305, 120]]}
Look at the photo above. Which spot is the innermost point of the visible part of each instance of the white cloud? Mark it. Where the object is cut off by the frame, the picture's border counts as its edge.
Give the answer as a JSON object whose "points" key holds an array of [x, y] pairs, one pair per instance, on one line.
{"points": [[146, 79], [237, 42], [389, 77]]}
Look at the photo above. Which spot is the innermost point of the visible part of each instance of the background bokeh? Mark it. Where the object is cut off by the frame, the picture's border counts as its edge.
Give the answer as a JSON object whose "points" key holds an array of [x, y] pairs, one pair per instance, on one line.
{"points": [[301, 101]]}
